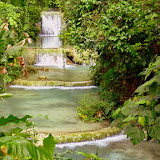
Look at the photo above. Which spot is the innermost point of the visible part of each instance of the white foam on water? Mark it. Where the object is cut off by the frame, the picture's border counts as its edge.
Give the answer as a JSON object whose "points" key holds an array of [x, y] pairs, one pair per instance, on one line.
{"points": [[98, 143], [50, 87]]}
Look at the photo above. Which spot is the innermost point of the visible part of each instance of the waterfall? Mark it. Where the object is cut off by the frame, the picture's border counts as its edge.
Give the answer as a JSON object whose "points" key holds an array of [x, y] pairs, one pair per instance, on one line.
{"points": [[50, 59], [51, 24], [50, 29]]}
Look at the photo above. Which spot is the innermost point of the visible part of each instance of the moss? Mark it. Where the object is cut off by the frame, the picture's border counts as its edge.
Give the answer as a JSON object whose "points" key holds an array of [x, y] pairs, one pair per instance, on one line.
{"points": [[80, 136], [88, 136], [84, 57], [76, 84], [49, 51], [51, 83], [54, 83]]}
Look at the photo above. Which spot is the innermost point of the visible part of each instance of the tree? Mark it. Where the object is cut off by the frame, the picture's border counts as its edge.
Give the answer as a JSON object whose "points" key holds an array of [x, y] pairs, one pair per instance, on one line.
{"points": [[125, 35]]}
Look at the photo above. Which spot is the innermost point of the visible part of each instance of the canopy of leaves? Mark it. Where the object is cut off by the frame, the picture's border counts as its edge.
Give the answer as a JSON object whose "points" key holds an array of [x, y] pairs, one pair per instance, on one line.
{"points": [[23, 16], [125, 35]]}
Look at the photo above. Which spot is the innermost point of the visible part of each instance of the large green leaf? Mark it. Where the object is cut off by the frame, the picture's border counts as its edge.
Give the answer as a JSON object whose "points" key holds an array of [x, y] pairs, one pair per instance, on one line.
{"points": [[116, 112], [13, 119], [20, 148], [142, 120], [141, 102], [107, 110], [136, 135], [129, 118], [9, 128], [49, 144], [6, 139], [14, 125], [154, 132]]}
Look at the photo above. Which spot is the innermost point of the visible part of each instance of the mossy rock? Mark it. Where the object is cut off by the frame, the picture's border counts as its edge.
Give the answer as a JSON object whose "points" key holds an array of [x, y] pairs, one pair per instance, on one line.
{"points": [[88, 136], [80, 136], [51, 83]]}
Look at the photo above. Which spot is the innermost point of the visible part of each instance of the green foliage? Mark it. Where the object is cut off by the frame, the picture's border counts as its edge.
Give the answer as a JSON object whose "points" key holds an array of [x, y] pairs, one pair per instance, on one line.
{"points": [[14, 125], [13, 73], [136, 135], [12, 15], [91, 108], [21, 148], [125, 35], [9, 54], [142, 113], [49, 144], [23, 16], [14, 141]]}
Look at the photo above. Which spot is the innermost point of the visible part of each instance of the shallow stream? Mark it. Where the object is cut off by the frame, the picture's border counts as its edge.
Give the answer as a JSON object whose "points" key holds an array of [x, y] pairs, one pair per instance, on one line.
{"points": [[73, 73], [114, 148], [57, 103]]}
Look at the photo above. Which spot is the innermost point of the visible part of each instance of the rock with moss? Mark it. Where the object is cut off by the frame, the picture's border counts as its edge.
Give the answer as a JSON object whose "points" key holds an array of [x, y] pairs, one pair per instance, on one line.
{"points": [[51, 83], [80, 136]]}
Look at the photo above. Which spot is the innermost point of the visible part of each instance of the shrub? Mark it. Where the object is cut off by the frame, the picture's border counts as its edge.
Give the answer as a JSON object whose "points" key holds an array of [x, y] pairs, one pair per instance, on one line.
{"points": [[142, 113], [91, 108]]}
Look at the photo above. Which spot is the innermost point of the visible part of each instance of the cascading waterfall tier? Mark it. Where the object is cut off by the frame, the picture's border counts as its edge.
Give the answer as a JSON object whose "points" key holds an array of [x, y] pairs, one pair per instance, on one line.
{"points": [[51, 23], [51, 67], [50, 29], [51, 59]]}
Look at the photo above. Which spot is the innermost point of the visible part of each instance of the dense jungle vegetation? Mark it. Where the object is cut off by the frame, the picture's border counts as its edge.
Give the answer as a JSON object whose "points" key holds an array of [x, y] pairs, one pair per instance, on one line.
{"points": [[126, 37]]}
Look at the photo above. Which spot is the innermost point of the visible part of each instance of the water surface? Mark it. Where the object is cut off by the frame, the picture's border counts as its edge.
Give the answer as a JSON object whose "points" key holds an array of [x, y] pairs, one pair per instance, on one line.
{"points": [[72, 73], [114, 148], [58, 103]]}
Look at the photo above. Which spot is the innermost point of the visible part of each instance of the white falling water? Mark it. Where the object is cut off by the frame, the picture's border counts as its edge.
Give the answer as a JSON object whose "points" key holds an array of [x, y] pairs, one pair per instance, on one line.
{"points": [[51, 24], [50, 59], [50, 42], [50, 29]]}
